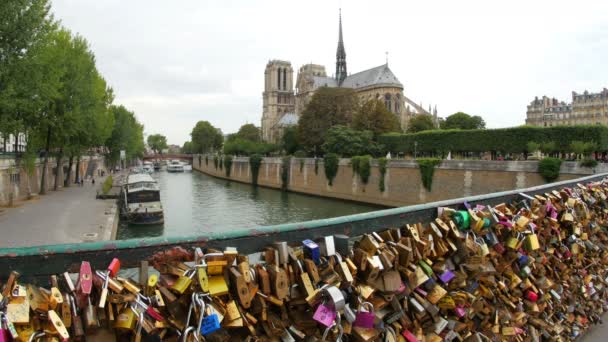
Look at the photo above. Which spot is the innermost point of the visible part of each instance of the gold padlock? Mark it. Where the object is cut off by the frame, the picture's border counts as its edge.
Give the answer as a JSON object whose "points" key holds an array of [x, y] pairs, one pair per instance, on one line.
{"points": [[126, 320], [183, 282], [217, 286], [531, 243]]}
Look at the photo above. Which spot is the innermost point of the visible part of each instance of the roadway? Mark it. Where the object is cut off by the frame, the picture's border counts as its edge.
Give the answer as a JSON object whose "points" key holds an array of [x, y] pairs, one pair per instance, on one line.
{"points": [[69, 215]]}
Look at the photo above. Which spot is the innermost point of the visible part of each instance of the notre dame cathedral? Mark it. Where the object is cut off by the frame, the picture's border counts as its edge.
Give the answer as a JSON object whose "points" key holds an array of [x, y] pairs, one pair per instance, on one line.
{"points": [[282, 106]]}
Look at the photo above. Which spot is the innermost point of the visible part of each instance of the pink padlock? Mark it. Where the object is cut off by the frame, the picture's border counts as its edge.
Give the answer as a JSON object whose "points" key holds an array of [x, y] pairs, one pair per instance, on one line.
{"points": [[460, 311], [409, 337], [365, 319], [531, 296], [324, 315]]}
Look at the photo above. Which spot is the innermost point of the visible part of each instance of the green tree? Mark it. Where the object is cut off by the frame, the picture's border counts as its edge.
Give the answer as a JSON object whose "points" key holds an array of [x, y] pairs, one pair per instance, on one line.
{"points": [[289, 140], [205, 137], [127, 134], [348, 142], [328, 107], [462, 120], [187, 148], [419, 123], [247, 147], [157, 142], [24, 87], [373, 116], [249, 132]]}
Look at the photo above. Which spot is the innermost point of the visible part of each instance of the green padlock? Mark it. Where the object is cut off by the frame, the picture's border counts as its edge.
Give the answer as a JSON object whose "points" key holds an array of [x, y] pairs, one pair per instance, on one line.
{"points": [[462, 219]]}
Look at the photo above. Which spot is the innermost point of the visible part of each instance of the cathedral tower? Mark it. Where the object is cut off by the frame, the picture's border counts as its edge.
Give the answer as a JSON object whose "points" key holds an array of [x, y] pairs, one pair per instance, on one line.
{"points": [[340, 56], [278, 97]]}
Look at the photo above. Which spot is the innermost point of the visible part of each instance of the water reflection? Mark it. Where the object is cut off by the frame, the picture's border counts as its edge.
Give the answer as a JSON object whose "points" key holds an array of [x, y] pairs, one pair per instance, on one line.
{"points": [[196, 203]]}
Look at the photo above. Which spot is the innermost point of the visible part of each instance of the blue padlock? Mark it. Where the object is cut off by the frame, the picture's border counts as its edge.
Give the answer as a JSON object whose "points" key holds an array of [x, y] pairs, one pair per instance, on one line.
{"points": [[523, 260], [210, 324], [311, 251]]}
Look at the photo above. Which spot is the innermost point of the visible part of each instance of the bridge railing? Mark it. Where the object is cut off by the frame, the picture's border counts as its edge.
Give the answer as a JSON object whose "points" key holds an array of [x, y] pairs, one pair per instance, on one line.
{"points": [[40, 261]]}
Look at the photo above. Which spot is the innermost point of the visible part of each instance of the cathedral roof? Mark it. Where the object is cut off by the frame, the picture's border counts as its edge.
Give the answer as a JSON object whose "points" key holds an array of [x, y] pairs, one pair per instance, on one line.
{"points": [[321, 81], [375, 76], [289, 119]]}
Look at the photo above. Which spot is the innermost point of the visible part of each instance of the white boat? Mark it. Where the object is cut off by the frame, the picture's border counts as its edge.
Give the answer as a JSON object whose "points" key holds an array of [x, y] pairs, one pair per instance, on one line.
{"points": [[141, 200], [175, 166], [148, 167]]}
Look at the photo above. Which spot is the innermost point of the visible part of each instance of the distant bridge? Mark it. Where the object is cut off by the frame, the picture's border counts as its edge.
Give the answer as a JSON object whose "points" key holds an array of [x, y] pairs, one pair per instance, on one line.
{"points": [[169, 156]]}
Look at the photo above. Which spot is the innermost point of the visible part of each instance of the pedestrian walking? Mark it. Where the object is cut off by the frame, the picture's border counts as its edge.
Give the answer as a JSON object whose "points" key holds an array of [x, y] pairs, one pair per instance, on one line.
{"points": [[93, 181]]}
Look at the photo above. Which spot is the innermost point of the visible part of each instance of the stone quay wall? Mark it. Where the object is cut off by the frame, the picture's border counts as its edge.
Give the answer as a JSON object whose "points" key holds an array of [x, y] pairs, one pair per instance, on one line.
{"points": [[402, 181], [14, 179]]}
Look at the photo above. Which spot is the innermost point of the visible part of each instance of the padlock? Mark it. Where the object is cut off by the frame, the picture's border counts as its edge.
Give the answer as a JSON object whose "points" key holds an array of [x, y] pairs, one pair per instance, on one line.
{"points": [[512, 242], [342, 244], [182, 284], [7, 330], [217, 285], [126, 320], [365, 319], [462, 219], [53, 317], [325, 315], [349, 314], [91, 322], [311, 251], [483, 247], [531, 296], [531, 242], [210, 321], [111, 272], [85, 278], [240, 287], [77, 326]]}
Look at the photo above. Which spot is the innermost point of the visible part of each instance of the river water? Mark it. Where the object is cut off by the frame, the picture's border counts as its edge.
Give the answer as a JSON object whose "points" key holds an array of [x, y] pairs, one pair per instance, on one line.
{"points": [[196, 203]]}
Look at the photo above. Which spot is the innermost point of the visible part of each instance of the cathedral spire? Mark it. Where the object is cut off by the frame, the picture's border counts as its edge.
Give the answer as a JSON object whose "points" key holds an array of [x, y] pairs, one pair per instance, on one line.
{"points": [[340, 55]]}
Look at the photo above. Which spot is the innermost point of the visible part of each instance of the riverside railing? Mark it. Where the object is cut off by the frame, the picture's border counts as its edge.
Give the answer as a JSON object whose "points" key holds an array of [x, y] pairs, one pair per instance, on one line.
{"points": [[42, 261]]}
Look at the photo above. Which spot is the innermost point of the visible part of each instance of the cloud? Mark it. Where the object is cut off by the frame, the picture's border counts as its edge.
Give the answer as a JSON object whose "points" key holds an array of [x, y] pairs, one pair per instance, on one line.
{"points": [[175, 63]]}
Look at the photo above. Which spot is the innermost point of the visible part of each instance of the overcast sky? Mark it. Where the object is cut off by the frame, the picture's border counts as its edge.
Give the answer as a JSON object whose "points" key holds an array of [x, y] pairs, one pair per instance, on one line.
{"points": [[177, 62]]}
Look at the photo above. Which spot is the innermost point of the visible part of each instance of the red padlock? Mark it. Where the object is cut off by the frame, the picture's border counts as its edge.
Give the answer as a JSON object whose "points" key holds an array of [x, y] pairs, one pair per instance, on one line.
{"points": [[531, 296], [114, 267]]}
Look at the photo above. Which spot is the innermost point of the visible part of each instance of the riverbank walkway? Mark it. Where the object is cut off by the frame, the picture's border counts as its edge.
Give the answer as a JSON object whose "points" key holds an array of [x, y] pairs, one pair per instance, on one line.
{"points": [[69, 215]]}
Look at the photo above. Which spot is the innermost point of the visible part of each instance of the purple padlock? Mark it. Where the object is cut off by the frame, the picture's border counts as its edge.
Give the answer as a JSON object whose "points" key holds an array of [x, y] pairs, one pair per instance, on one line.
{"points": [[447, 276], [365, 319], [325, 315]]}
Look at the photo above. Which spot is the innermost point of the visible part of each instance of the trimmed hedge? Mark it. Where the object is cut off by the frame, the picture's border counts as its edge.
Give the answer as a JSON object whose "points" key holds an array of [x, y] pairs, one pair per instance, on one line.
{"points": [[549, 168], [382, 168], [506, 140], [331, 163], [427, 169], [588, 163], [228, 165], [255, 161]]}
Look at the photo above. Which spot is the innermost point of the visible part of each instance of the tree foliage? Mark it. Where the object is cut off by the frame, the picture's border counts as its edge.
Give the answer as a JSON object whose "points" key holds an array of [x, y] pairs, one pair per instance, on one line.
{"points": [[328, 107], [249, 132], [245, 147], [462, 120], [549, 168], [373, 116], [206, 138], [331, 163], [506, 140], [348, 142], [289, 140], [419, 123], [187, 148], [157, 142], [127, 135]]}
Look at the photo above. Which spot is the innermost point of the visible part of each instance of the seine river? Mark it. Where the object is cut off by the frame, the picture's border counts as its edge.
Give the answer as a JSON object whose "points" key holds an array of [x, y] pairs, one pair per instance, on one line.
{"points": [[197, 203]]}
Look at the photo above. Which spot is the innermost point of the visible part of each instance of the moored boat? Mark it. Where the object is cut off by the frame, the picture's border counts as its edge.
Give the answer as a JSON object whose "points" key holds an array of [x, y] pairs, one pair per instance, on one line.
{"points": [[141, 200], [175, 166]]}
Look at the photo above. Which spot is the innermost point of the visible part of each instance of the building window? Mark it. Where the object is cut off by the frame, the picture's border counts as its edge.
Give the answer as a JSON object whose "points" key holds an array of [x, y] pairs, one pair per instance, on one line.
{"points": [[284, 79], [279, 78], [15, 178], [397, 103], [387, 101]]}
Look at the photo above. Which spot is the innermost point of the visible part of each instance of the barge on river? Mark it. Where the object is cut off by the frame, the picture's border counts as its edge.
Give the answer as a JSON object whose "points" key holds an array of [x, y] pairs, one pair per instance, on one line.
{"points": [[141, 200]]}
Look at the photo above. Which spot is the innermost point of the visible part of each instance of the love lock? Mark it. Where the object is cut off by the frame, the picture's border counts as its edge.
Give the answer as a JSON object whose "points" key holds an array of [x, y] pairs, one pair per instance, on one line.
{"points": [[340, 330], [365, 319], [333, 301]]}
